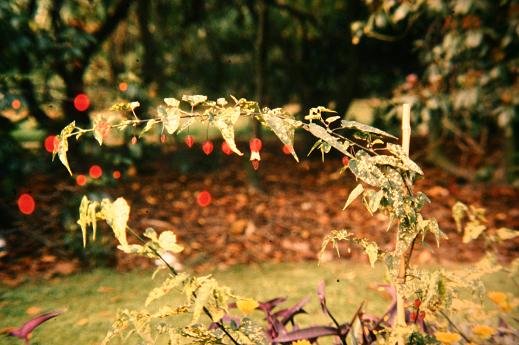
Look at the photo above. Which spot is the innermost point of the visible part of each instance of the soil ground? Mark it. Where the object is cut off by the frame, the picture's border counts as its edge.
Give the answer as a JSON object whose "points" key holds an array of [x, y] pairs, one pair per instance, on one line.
{"points": [[282, 220]]}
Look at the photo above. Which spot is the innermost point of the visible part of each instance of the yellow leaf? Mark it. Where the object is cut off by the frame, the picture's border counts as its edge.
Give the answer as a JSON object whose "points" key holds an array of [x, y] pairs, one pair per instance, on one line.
{"points": [[447, 337], [117, 215], [33, 310], [507, 234], [247, 305], [63, 144], [484, 332], [168, 241], [83, 218]]}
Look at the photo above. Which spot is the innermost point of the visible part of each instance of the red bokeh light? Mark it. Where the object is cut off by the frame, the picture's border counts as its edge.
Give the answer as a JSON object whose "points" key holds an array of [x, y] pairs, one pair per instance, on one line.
{"points": [[81, 180], [123, 86], [208, 147], [26, 204], [226, 148], [203, 198], [51, 143], [81, 102], [95, 171], [116, 174], [16, 104]]}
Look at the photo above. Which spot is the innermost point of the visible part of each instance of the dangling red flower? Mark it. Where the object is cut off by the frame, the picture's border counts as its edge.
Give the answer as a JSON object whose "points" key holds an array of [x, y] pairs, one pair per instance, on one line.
{"points": [[255, 146], [163, 138], [207, 147], [345, 161], [189, 141], [226, 148], [134, 140], [287, 149]]}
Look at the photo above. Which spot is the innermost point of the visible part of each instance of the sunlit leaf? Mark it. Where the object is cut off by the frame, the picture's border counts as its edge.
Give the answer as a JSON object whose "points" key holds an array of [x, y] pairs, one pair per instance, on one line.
{"points": [[168, 285], [365, 128], [83, 218], [321, 133], [168, 241], [63, 144], [372, 250], [354, 195], [283, 126], [117, 215], [225, 122], [247, 305]]}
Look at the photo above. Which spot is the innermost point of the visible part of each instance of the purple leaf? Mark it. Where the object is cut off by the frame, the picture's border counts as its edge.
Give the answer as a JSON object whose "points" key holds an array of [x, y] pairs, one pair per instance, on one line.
{"points": [[271, 304], [306, 333], [30, 325], [322, 298], [288, 314]]}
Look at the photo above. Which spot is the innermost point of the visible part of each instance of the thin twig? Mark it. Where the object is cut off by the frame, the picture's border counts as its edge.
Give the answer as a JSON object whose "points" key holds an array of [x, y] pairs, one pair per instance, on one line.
{"points": [[467, 339]]}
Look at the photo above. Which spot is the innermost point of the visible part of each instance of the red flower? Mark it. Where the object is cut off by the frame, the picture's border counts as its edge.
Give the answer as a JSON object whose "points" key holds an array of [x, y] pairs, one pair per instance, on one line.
{"points": [[207, 147]]}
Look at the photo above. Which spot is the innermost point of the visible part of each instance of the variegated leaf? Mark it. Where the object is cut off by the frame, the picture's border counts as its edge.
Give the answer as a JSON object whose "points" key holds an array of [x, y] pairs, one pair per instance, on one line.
{"points": [[283, 126], [225, 121], [365, 128], [322, 133]]}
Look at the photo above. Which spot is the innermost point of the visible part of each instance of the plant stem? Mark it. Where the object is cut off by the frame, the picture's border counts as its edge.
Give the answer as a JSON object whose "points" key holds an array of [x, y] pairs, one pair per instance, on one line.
{"points": [[172, 269], [467, 339], [400, 281]]}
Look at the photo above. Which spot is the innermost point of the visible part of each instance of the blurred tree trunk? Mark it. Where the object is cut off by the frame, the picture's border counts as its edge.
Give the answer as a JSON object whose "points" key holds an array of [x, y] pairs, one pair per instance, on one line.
{"points": [[260, 60], [512, 150], [151, 56], [72, 71]]}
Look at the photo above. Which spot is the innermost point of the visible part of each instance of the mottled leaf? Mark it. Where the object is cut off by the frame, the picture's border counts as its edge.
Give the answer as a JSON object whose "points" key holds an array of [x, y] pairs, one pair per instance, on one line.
{"points": [[365, 128], [168, 285], [202, 298], [321, 133], [225, 121], [283, 126], [408, 163], [366, 171]]}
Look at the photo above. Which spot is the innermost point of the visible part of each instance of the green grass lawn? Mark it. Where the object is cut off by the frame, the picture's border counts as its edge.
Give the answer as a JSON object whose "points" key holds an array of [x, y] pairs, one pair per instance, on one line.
{"points": [[90, 300]]}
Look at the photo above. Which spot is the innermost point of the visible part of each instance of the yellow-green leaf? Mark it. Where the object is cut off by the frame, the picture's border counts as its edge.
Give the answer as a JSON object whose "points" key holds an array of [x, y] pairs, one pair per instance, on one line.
{"points": [[372, 250], [225, 121], [354, 195], [168, 241], [117, 216], [283, 127], [63, 144], [507, 234], [83, 218], [169, 284], [172, 102]]}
